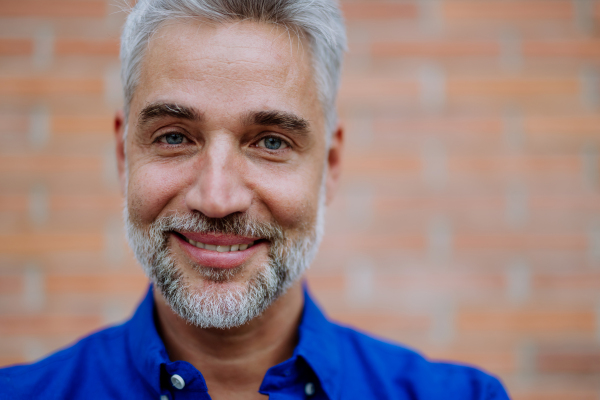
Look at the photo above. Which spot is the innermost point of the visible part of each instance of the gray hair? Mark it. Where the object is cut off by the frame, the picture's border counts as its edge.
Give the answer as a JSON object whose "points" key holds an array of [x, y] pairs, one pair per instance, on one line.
{"points": [[320, 21]]}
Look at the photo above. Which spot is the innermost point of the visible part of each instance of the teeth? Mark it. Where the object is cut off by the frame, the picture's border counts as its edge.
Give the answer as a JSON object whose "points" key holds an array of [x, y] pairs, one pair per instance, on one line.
{"points": [[220, 249]]}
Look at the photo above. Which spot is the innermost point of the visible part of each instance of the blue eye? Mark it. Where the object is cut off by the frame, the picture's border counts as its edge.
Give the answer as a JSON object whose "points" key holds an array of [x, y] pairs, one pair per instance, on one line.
{"points": [[272, 143], [172, 138]]}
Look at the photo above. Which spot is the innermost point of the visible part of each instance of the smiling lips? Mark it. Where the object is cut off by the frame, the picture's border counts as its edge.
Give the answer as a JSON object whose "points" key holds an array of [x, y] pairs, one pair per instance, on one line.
{"points": [[219, 248], [218, 251]]}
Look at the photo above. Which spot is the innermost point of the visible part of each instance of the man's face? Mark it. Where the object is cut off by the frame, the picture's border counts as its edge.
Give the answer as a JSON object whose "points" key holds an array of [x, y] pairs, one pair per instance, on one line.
{"points": [[225, 162]]}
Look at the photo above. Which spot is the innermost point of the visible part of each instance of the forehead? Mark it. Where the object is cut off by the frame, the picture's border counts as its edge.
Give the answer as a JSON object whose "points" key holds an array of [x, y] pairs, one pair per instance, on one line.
{"points": [[239, 64]]}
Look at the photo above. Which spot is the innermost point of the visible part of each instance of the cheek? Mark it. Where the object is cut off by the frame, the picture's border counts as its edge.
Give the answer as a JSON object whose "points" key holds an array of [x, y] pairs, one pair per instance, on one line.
{"points": [[151, 188], [292, 200]]}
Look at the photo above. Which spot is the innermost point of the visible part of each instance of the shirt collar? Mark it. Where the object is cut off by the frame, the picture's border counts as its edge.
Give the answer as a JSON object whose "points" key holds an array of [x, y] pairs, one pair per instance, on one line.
{"points": [[148, 351], [318, 345]]}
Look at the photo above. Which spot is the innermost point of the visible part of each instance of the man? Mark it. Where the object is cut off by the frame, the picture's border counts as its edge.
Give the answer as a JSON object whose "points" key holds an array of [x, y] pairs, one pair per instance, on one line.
{"points": [[228, 151]]}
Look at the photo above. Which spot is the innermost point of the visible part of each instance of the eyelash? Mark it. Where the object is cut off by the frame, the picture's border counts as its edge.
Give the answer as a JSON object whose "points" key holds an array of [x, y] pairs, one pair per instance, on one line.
{"points": [[162, 140], [164, 136], [285, 142]]}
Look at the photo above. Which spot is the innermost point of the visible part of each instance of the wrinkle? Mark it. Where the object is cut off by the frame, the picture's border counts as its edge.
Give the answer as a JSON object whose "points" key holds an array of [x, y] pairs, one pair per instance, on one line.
{"points": [[262, 83]]}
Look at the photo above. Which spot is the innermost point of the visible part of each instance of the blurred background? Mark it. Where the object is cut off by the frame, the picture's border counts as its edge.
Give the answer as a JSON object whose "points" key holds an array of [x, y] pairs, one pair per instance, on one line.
{"points": [[468, 221]]}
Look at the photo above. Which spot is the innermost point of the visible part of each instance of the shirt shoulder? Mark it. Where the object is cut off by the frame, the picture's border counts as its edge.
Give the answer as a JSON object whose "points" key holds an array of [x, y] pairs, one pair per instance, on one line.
{"points": [[391, 371], [84, 367]]}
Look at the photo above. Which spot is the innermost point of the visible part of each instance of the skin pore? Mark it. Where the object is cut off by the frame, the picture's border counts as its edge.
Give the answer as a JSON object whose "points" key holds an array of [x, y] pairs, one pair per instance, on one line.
{"points": [[226, 119]]}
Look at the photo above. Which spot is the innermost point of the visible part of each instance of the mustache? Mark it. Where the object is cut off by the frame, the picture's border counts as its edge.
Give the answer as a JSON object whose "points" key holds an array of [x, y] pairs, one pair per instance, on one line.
{"points": [[233, 224]]}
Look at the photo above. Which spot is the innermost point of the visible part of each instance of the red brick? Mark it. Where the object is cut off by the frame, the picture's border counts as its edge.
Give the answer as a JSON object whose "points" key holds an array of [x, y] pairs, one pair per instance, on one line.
{"points": [[319, 282], [376, 321], [587, 49], [556, 393], [508, 10], [565, 203], [435, 124], [515, 164], [375, 87], [54, 8], [518, 242], [11, 284], [588, 125], [83, 47], [361, 165], [493, 360], [441, 282], [374, 242], [579, 360], [409, 135], [32, 86], [96, 283], [512, 87], [36, 243], [381, 94], [77, 124], [379, 10], [33, 163], [12, 360], [83, 202], [522, 321], [13, 202], [387, 204], [15, 47], [567, 281], [48, 324], [435, 49], [13, 123], [66, 181]]}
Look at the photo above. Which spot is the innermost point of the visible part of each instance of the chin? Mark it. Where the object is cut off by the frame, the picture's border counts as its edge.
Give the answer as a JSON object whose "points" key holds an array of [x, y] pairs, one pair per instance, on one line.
{"points": [[222, 297], [220, 303]]}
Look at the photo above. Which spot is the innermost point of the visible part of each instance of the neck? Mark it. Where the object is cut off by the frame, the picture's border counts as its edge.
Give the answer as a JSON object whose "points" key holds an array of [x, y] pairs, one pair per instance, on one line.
{"points": [[234, 361]]}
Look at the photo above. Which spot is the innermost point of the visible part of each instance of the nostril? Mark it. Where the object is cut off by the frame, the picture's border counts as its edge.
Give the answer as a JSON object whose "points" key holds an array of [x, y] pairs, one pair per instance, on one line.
{"points": [[218, 188]]}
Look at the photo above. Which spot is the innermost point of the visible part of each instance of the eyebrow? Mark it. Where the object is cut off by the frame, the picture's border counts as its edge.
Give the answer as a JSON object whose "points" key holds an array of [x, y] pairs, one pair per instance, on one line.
{"points": [[287, 121], [159, 110], [284, 120]]}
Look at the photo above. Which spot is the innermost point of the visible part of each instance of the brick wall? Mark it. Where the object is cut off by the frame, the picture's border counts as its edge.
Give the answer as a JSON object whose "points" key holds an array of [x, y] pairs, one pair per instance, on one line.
{"points": [[467, 225]]}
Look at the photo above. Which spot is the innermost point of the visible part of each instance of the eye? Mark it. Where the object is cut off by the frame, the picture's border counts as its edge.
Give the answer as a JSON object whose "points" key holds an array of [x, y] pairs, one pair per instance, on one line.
{"points": [[272, 143], [172, 138]]}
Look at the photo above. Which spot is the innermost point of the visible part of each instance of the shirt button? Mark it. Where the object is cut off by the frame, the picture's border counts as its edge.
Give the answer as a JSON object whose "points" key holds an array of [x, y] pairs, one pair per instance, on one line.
{"points": [[177, 381], [309, 389]]}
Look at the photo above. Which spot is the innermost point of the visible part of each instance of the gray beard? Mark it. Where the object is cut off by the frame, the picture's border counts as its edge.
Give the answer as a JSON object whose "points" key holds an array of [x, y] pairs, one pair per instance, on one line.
{"points": [[218, 305]]}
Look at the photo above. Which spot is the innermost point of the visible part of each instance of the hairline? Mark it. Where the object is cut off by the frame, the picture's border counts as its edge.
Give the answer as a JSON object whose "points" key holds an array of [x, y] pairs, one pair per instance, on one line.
{"points": [[325, 37], [300, 34]]}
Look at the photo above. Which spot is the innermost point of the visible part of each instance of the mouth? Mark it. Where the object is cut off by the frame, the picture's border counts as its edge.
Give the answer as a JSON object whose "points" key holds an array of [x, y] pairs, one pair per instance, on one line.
{"points": [[220, 251], [219, 248]]}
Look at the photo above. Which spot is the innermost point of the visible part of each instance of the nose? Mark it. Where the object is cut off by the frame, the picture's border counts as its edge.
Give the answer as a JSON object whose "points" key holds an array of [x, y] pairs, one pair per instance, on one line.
{"points": [[219, 188]]}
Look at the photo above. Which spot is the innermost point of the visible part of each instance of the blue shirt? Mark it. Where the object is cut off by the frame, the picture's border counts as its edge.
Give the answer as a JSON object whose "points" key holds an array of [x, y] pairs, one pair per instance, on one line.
{"points": [[130, 362]]}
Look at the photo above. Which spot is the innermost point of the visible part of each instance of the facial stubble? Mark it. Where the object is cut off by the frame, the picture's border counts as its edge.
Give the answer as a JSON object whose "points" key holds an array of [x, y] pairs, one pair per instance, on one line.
{"points": [[220, 301]]}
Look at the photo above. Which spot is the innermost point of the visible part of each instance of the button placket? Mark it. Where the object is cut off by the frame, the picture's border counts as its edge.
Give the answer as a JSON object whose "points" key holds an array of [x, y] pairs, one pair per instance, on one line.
{"points": [[309, 389], [177, 381]]}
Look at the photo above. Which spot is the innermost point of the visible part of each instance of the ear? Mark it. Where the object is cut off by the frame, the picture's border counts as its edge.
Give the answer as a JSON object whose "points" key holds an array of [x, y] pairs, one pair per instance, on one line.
{"points": [[120, 148], [334, 163]]}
